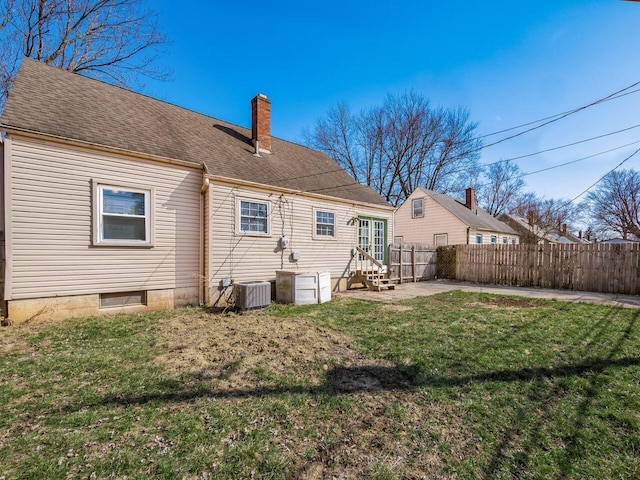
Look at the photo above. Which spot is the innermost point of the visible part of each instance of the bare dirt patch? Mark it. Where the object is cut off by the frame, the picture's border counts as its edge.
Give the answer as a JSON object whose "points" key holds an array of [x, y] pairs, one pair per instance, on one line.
{"points": [[379, 430], [232, 347]]}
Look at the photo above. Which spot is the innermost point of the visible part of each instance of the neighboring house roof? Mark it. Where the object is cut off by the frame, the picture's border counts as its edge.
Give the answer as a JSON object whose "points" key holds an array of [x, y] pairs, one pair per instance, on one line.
{"points": [[619, 241], [551, 236], [478, 218], [54, 102]]}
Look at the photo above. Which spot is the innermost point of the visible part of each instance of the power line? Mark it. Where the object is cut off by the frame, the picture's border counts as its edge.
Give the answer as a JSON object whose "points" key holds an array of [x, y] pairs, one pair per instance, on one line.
{"points": [[602, 177], [578, 159], [566, 145], [616, 96], [561, 116]]}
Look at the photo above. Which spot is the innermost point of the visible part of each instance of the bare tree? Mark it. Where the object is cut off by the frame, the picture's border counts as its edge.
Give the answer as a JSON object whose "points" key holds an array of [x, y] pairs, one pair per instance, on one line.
{"points": [[113, 40], [614, 206], [501, 185], [544, 215], [401, 145]]}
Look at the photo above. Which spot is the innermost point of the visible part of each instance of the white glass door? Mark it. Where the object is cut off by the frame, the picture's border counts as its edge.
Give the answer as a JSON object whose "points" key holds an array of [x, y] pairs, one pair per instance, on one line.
{"points": [[372, 237]]}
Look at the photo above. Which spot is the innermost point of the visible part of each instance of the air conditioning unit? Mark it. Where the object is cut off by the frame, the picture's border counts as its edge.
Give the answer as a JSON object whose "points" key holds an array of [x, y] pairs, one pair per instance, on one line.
{"points": [[252, 294]]}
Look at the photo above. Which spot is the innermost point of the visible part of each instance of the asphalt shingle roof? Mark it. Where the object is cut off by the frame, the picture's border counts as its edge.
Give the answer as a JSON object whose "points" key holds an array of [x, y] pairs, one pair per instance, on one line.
{"points": [[477, 219], [55, 102]]}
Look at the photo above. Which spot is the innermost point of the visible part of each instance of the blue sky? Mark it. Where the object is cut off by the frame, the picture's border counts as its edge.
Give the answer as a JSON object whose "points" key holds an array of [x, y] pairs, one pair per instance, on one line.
{"points": [[508, 63]]}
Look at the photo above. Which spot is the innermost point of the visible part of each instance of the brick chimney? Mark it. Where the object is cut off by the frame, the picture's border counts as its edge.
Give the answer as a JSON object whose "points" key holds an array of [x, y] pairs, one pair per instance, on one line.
{"points": [[261, 123], [470, 200]]}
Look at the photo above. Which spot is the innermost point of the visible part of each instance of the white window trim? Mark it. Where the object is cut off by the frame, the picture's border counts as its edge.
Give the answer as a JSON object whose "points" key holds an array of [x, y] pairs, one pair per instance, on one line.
{"points": [[421, 200], [494, 237], [239, 230], [481, 238], [97, 219], [314, 233]]}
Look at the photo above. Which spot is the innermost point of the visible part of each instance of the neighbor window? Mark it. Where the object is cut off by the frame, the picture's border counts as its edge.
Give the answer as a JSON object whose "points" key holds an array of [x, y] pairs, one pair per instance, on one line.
{"points": [[417, 209], [479, 238], [325, 224], [494, 239], [123, 215], [513, 241], [254, 217], [505, 240], [440, 239]]}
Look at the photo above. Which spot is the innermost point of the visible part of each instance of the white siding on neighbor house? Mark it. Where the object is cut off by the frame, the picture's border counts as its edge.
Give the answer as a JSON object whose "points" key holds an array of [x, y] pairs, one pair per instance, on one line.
{"points": [[436, 220], [245, 257], [486, 237], [51, 223]]}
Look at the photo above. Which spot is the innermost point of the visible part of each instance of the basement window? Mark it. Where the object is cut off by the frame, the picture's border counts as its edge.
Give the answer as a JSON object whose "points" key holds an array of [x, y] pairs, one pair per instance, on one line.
{"points": [[123, 299]]}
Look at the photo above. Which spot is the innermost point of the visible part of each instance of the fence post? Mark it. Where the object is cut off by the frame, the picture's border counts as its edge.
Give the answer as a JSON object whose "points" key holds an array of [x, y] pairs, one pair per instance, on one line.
{"points": [[413, 262], [401, 266]]}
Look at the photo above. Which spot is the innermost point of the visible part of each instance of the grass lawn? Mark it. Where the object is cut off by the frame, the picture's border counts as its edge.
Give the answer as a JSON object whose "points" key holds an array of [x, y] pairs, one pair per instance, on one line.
{"points": [[459, 385]]}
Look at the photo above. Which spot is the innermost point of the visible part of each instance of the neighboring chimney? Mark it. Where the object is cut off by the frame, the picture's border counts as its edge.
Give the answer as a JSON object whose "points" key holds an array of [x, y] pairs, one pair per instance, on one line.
{"points": [[470, 200], [261, 123], [580, 234], [531, 218], [564, 228]]}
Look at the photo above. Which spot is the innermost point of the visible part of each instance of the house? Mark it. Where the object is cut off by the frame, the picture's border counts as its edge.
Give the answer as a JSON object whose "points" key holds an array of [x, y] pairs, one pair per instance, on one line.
{"points": [[621, 241], [531, 231], [116, 201], [437, 219]]}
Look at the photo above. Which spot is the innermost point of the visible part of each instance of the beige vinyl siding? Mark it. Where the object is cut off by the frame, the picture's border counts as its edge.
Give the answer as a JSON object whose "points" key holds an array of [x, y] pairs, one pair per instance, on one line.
{"points": [[245, 257], [51, 225], [436, 220]]}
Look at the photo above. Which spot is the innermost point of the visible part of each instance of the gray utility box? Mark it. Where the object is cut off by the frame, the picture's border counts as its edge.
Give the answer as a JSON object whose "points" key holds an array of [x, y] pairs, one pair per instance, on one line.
{"points": [[252, 294], [303, 288]]}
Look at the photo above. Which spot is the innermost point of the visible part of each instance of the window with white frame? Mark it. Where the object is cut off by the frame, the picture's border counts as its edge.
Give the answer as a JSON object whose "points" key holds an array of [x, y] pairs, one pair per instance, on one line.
{"points": [[479, 238], [440, 239], [254, 217], [325, 224], [417, 208], [123, 215], [494, 239], [505, 240], [513, 241]]}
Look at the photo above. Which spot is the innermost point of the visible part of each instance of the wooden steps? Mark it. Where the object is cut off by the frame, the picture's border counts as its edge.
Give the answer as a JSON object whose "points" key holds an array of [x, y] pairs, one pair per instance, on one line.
{"points": [[375, 280]]}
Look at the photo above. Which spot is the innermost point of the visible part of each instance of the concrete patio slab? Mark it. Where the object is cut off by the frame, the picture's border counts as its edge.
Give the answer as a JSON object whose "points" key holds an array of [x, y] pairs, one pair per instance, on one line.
{"points": [[432, 287]]}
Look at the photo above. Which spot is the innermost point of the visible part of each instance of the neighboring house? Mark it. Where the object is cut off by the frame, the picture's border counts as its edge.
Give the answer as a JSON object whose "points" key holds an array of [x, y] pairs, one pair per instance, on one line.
{"points": [[437, 219], [115, 201], [530, 232], [620, 241]]}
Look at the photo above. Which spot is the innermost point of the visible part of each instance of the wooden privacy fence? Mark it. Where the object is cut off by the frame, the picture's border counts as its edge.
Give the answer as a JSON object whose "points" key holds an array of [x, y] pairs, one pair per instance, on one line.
{"points": [[597, 267], [412, 262]]}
